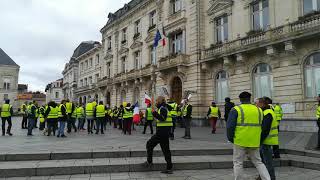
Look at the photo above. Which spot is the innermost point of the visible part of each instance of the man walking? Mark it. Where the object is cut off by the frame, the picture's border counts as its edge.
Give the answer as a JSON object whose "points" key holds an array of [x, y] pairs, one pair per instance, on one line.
{"points": [[227, 108], [148, 119], [24, 111], [244, 131], [269, 135], [6, 113], [90, 115], [52, 115], [164, 125], [32, 110], [187, 116], [213, 114], [100, 117]]}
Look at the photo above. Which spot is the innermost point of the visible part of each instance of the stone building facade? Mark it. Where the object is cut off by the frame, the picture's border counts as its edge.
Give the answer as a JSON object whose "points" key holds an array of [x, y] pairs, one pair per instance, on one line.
{"points": [[54, 91], [9, 76], [215, 49]]}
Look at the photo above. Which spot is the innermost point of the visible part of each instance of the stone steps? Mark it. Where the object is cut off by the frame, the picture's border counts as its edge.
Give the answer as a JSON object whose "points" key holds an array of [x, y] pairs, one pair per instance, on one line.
{"points": [[106, 154], [49, 164], [115, 165]]}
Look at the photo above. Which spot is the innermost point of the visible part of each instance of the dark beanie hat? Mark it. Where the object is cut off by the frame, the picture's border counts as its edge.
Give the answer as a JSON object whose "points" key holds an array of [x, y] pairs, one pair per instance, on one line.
{"points": [[245, 95]]}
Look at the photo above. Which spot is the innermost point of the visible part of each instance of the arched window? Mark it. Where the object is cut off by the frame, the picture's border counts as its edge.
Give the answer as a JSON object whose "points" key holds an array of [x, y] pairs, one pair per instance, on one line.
{"points": [[312, 75], [136, 97], [222, 86], [263, 80]]}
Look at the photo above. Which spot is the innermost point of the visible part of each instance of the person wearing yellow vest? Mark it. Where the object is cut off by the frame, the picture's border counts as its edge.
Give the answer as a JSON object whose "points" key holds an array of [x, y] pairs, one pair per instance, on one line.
{"points": [[120, 117], [24, 113], [279, 114], [244, 131], [318, 123], [174, 113], [52, 115], [269, 134], [37, 117], [100, 117], [187, 117], [127, 119], [6, 113], [70, 107], [115, 117], [148, 119], [32, 110], [164, 125], [63, 117], [213, 115], [80, 117], [41, 112], [90, 109]]}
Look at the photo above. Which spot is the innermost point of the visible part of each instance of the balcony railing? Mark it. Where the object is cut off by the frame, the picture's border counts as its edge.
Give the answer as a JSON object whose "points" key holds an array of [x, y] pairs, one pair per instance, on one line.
{"points": [[173, 61], [302, 28]]}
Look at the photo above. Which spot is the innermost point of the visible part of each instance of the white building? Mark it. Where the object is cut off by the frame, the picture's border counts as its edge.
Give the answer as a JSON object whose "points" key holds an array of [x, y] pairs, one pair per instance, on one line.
{"points": [[9, 76], [54, 91]]}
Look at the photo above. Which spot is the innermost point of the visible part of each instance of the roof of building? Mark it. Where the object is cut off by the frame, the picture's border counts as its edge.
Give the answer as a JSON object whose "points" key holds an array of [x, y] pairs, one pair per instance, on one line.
{"points": [[6, 60], [119, 13], [84, 47]]}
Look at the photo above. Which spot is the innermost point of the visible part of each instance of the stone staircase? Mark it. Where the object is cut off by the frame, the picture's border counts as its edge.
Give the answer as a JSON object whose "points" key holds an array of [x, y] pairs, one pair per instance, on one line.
{"points": [[69, 163]]}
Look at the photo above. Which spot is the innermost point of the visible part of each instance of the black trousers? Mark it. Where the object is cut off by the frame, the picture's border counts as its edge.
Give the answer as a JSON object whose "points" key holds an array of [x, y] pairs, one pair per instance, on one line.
{"points": [[161, 137], [174, 121], [71, 123], [100, 124], [276, 149], [52, 126], [146, 124], [90, 124], [4, 119], [24, 123]]}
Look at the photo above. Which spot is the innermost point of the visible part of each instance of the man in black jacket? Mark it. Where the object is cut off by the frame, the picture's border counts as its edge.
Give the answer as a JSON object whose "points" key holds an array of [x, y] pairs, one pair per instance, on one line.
{"points": [[227, 108], [164, 125], [187, 116]]}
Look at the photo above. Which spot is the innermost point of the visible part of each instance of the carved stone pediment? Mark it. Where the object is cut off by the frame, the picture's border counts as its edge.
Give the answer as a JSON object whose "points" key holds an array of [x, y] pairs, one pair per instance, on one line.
{"points": [[108, 56], [219, 5], [136, 44], [150, 37], [123, 50]]}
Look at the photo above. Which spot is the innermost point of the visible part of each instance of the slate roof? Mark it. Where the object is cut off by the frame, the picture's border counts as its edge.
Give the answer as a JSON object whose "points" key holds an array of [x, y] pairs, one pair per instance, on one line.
{"points": [[6, 60], [84, 47], [127, 7]]}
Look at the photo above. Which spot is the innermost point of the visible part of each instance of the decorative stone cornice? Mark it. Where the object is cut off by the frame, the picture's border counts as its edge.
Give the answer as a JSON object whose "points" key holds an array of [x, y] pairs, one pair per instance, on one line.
{"points": [[220, 5], [136, 44]]}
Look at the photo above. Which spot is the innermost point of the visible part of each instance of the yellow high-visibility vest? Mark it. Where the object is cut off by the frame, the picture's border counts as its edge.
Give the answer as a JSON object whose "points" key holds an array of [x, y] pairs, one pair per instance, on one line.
{"points": [[167, 122], [5, 110], [214, 111], [273, 137]]}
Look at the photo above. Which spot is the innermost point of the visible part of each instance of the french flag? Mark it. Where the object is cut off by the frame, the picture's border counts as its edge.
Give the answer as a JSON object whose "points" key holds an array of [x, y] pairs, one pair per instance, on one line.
{"points": [[147, 99], [136, 114]]}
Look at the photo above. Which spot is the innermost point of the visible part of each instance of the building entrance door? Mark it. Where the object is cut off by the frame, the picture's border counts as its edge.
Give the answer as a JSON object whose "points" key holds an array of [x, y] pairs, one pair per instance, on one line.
{"points": [[176, 90]]}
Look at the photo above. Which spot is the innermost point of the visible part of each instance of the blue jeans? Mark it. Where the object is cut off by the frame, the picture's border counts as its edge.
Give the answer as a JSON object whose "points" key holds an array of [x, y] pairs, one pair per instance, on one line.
{"points": [[31, 122], [62, 125], [266, 155]]}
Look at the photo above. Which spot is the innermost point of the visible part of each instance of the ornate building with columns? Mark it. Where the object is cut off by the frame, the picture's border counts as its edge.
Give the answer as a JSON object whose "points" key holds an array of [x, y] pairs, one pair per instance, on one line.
{"points": [[215, 49]]}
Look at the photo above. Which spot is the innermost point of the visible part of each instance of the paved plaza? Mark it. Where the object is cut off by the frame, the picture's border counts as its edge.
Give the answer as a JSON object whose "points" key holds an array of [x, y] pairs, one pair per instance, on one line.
{"points": [[284, 173], [114, 140], [18, 156]]}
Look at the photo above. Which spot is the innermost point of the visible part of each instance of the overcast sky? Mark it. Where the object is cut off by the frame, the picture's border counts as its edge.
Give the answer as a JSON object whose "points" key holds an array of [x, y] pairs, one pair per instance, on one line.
{"points": [[40, 35]]}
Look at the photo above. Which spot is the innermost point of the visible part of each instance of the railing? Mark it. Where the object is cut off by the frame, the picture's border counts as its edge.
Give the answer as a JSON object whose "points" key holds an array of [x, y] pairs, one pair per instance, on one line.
{"points": [[173, 60], [310, 24]]}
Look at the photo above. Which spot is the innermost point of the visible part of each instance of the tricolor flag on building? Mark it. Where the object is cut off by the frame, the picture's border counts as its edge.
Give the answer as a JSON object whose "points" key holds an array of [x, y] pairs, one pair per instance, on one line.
{"points": [[158, 38]]}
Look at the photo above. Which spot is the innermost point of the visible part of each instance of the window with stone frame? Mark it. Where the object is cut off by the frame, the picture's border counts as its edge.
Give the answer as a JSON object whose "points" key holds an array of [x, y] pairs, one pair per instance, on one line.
{"points": [[85, 82], [108, 70], [81, 83], [6, 84], [176, 6], [124, 36], [136, 97], [176, 43], [97, 59], [137, 27], [222, 86], [90, 62], [260, 15], [5, 97], [123, 96], [109, 41], [263, 80], [86, 64], [123, 64], [153, 56], [310, 6], [221, 28], [152, 20], [90, 80], [137, 63], [57, 95], [312, 75]]}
